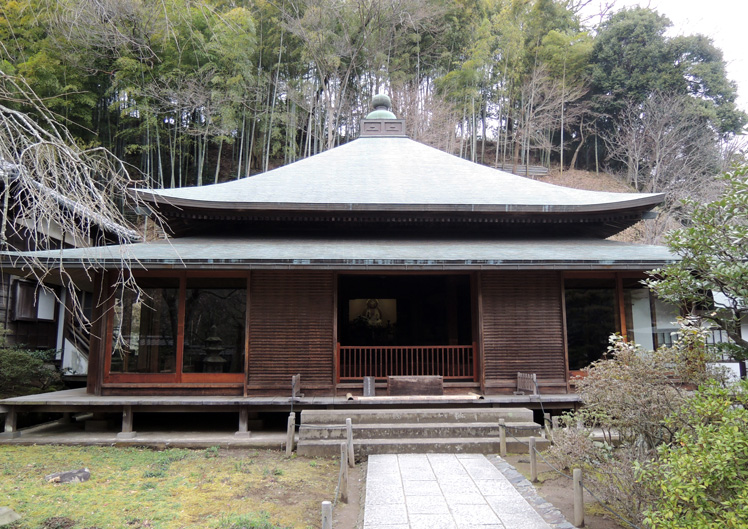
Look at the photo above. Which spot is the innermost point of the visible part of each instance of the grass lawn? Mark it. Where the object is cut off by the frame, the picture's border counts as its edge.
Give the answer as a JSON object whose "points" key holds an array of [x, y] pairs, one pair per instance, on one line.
{"points": [[144, 488]]}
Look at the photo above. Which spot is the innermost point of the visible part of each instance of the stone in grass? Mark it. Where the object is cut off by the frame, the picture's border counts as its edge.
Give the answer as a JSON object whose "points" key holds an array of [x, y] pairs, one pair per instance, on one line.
{"points": [[71, 476], [8, 516]]}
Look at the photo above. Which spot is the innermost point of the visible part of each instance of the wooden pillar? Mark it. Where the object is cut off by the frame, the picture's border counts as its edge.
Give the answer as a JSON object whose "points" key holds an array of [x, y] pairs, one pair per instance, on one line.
{"points": [[127, 420], [533, 461], [621, 306], [349, 441], [502, 437], [479, 360], [344, 472], [247, 321], [290, 433], [100, 332], [453, 314], [578, 498]]}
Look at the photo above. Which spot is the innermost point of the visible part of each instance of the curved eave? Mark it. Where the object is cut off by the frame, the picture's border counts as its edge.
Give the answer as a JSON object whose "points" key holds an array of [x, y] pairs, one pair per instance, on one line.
{"points": [[644, 202]]}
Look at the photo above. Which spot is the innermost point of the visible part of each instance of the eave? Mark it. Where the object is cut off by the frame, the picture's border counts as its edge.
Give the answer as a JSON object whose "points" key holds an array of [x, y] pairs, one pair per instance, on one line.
{"points": [[344, 254]]}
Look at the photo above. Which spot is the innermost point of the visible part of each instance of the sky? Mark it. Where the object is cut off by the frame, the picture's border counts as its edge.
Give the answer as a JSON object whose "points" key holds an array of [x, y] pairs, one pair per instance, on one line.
{"points": [[722, 20]]}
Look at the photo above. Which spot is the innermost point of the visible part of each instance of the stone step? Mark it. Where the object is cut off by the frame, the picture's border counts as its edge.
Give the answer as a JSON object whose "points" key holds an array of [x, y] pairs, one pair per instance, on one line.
{"points": [[365, 447], [417, 415], [420, 430]]}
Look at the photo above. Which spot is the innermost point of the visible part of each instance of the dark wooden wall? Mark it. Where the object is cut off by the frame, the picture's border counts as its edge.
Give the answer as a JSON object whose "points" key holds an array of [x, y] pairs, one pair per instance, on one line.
{"points": [[523, 329], [291, 330]]}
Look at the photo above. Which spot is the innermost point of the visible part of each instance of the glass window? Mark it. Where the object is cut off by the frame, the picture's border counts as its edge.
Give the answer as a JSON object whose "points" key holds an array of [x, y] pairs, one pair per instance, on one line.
{"points": [[638, 316], [650, 322], [591, 317], [145, 328], [214, 325]]}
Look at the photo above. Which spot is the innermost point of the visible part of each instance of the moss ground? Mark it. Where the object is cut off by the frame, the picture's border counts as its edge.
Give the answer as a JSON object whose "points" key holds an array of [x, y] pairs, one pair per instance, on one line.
{"points": [[139, 488]]}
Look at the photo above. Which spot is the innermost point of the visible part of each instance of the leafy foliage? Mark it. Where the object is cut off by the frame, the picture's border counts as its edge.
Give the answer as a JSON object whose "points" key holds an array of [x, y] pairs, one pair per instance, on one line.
{"points": [[713, 251], [178, 86], [24, 372], [632, 58], [634, 397], [700, 480]]}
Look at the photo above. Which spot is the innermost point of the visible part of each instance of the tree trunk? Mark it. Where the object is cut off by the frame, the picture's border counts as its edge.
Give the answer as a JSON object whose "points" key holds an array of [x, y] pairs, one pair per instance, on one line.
{"points": [[218, 162]]}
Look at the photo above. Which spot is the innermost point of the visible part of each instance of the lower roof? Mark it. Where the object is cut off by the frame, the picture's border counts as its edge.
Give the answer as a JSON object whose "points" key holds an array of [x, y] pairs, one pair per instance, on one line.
{"points": [[277, 252]]}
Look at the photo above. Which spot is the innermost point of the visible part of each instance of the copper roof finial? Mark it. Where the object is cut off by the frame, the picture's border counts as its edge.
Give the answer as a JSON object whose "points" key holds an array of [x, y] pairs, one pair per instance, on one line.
{"points": [[382, 105]]}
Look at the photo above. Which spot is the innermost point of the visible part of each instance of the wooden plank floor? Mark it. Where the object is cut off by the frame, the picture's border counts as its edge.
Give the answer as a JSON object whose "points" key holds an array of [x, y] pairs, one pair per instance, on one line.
{"points": [[72, 399]]}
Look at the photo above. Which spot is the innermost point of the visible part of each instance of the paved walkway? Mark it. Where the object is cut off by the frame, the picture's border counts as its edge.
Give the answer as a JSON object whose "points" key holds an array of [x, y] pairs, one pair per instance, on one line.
{"points": [[445, 491]]}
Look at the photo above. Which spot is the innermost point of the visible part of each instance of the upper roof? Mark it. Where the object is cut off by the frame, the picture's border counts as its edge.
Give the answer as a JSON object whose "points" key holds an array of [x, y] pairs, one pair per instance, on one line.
{"points": [[386, 182], [395, 174]]}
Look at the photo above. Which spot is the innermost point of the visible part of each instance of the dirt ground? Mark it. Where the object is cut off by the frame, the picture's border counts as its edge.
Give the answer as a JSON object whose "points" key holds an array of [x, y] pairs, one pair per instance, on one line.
{"points": [[558, 490], [351, 514]]}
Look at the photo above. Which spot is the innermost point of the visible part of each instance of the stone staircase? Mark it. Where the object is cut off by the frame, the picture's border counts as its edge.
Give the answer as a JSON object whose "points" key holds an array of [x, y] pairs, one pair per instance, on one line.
{"points": [[453, 430]]}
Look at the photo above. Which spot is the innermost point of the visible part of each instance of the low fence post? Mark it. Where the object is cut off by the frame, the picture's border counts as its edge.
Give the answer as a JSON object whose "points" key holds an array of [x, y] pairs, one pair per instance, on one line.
{"points": [[344, 472], [326, 515], [290, 433], [578, 498], [547, 424], [533, 461], [349, 438], [502, 437]]}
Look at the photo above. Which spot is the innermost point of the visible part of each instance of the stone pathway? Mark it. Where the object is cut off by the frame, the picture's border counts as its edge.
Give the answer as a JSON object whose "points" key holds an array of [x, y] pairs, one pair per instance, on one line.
{"points": [[450, 491]]}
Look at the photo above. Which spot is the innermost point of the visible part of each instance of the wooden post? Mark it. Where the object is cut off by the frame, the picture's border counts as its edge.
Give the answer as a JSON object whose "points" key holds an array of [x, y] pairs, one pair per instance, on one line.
{"points": [[290, 433], [533, 461], [547, 425], [11, 419], [349, 438], [502, 437], [127, 420], [326, 515], [578, 498], [554, 422], [344, 472]]}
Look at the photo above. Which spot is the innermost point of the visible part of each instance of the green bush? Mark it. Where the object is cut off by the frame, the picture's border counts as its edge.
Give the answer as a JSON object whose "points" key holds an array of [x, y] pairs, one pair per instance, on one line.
{"points": [[635, 398], [700, 481], [24, 372]]}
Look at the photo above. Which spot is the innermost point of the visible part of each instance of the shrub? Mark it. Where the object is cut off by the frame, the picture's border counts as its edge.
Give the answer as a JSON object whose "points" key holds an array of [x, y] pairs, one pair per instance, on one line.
{"points": [[636, 398], [700, 481], [24, 372]]}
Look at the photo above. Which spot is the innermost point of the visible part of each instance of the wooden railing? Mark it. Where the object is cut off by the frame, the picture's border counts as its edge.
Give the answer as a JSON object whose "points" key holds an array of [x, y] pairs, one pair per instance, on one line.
{"points": [[453, 362]]}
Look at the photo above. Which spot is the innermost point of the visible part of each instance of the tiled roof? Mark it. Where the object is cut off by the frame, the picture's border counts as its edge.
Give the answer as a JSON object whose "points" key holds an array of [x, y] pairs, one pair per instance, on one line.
{"points": [[394, 174]]}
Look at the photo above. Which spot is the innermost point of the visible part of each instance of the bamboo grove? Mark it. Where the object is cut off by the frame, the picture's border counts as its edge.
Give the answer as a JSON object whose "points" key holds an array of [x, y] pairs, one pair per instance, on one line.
{"points": [[192, 92]]}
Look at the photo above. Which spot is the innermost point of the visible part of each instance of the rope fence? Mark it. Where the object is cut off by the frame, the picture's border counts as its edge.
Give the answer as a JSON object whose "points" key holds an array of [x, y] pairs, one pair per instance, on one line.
{"points": [[530, 445]]}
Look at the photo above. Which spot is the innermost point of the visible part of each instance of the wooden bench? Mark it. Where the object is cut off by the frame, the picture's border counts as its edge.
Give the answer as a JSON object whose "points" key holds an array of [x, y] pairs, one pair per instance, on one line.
{"points": [[415, 385]]}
